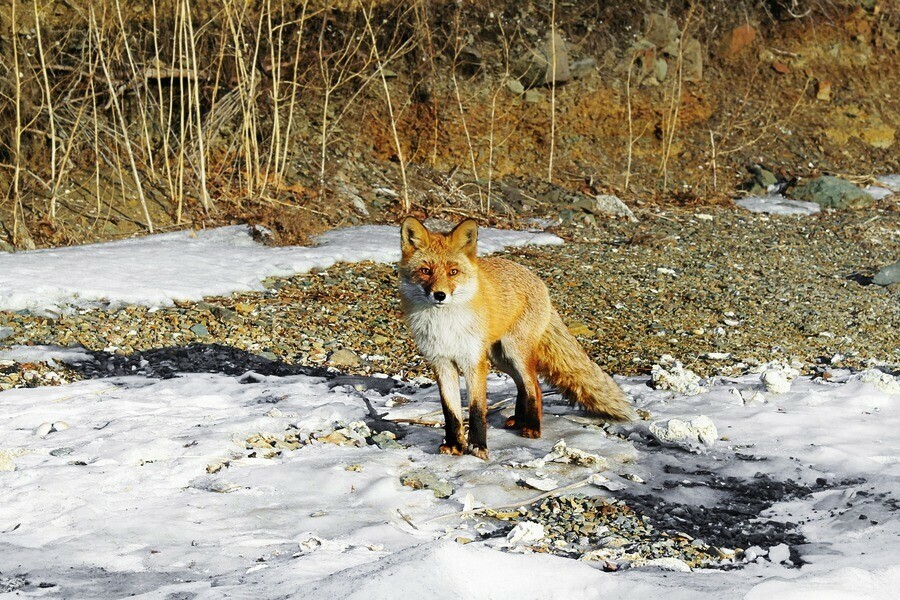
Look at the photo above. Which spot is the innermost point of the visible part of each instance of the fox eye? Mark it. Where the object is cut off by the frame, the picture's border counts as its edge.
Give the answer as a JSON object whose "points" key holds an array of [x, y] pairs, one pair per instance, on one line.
{"points": [[454, 272], [425, 271]]}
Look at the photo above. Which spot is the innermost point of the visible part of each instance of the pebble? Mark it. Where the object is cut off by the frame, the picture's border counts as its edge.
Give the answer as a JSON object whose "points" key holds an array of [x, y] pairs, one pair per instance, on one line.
{"points": [[670, 374], [301, 320]]}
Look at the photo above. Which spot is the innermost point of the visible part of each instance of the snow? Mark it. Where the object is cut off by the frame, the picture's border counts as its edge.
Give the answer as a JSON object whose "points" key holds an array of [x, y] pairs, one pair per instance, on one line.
{"points": [[778, 205], [158, 270], [165, 488]]}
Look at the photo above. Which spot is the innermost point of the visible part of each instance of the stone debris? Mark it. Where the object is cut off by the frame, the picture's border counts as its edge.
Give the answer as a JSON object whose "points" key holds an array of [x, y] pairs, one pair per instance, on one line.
{"points": [[422, 479], [881, 380], [670, 374], [698, 433], [777, 378], [562, 453], [525, 532]]}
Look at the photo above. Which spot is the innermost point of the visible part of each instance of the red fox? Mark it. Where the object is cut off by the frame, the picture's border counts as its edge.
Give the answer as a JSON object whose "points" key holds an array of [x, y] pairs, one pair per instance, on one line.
{"points": [[465, 311]]}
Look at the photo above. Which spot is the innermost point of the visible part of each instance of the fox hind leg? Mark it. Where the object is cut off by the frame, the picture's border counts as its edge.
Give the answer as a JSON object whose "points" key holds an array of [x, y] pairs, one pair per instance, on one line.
{"points": [[529, 401]]}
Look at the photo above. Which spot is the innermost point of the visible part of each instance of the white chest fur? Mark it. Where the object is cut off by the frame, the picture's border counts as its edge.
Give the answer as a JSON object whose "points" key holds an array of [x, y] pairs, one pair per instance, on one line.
{"points": [[451, 332]]}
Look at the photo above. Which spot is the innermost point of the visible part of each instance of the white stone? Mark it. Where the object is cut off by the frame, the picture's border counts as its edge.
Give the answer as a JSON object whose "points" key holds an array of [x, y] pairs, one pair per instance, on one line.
{"points": [[669, 563], [540, 483], [525, 532], [881, 380], [777, 378], [700, 432], [675, 377], [780, 553]]}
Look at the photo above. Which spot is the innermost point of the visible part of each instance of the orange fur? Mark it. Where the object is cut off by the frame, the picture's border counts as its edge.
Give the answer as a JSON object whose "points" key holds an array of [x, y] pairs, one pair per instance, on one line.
{"points": [[464, 311]]}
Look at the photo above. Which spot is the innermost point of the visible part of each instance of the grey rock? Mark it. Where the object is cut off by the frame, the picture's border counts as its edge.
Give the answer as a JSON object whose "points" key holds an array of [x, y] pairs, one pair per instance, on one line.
{"points": [[662, 30], [62, 451], [605, 204], [386, 440], [832, 192], [422, 479], [763, 176], [545, 65], [515, 86], [692, 60], [6, 332], [889, 275], [200, 330], [582, 67], [532, 96]]}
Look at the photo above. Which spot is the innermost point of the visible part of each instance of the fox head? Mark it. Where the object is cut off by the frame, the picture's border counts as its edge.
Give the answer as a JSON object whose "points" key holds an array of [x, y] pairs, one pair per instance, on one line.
{"points": [[438, 269]]}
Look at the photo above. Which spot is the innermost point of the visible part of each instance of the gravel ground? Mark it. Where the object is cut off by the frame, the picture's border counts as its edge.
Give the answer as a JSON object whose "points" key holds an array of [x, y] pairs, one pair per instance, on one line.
{"points": [[720, 290]]}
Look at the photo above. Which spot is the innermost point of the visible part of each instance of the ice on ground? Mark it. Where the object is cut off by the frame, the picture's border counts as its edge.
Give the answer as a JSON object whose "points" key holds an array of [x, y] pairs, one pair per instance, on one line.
{"points": [[157, 270], [892, 182], [166, 485], [777, 205]]}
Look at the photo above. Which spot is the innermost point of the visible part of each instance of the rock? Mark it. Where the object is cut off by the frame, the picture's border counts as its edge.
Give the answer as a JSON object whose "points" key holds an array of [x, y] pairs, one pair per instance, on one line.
{"points": [[671, 375], [578, 328], [344, 358], [546, 65], [778, 205], [692, 60], [605, 204], [525, 532], [545, 484], [831, 192], [668, 563], [738, 39], [780, 67], [780, 553], [533, 96], [662, 30], [888, 275], [582, 67], [879, 135], [6, 332], [763, 177], [777, 378], [386, 440], [515, 86], [200, 330], [823, 91], [700, 432], [422, 479], [562, 453], [881, 380]]}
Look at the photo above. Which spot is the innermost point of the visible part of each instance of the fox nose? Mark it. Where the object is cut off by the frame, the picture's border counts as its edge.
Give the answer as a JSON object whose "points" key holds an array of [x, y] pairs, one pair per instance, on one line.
{"points": [[440, 296]]}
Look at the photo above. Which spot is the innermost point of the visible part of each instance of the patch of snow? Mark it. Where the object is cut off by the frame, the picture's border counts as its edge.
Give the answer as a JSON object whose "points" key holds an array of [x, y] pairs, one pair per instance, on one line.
{"points": [[777, 205], [158, 270]]}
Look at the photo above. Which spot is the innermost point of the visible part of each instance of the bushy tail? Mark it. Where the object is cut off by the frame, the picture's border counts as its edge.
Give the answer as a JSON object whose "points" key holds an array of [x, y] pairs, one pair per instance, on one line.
{"points": [[563, 361]]}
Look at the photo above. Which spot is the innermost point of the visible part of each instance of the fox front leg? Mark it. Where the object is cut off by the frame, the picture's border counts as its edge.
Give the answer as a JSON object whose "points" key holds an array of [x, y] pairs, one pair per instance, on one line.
{"points": [[448, 382], [476, 388]]}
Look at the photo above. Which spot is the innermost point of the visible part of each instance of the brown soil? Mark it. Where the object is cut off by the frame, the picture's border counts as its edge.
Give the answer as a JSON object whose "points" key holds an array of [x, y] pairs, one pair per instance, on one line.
{"points": [[803, 96]]}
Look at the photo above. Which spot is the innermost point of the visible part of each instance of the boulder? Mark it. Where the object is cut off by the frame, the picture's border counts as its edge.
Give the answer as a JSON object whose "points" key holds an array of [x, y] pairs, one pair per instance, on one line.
{"points": [[831, 192]]}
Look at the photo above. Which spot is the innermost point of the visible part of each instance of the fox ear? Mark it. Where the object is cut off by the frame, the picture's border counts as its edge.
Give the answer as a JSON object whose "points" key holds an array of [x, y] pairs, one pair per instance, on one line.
{"points": [[465, 237], [413, 235]]}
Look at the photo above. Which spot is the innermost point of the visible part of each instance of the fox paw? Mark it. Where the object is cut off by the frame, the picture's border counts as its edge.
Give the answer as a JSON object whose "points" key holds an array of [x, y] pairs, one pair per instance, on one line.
{"points": [[453, 450], [530, 432], [511, 423], [478, 451]]}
